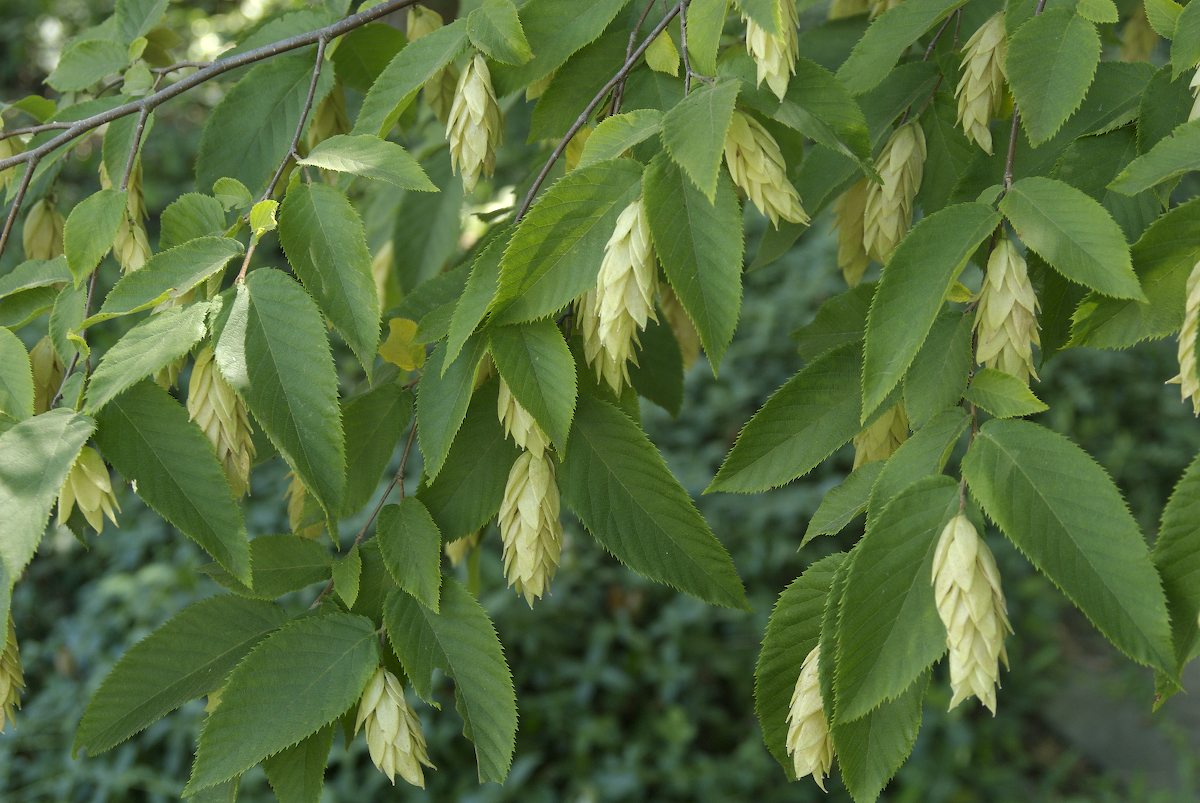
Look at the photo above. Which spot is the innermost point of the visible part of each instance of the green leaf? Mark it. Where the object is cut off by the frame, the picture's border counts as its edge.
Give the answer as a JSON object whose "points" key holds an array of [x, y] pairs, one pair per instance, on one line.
{"points": [[347, 576], [16, 378], [406, 73], [818, 106], [1051, 62], [461, 641], [167, 276], [1065, 514], [297, 681], [870, 750], [145, 349], [616, 482], [556, 251], [584, 74], [538, 367], [35, 456], [912, 291], [428, 227], [90, 230], [297, 775], [262, 217], [188, 217], [370, 157], [364, 54], [187, 656], [469, 488], [85, 63], [443, 395], [495, 29], [34, 273], [1003, 395], [1170, 158], [699, 242], [693, 132], [555, 29], [412, 550], [136, 18], [617, 134], [843, 503], [1163, 16], [231, 193], [249, 132], [658, 376], [840, 321], [1177, 558], [767, 14], [1099, 11], [326, 246], [1074, 233], [281, 564], [147, 436], [889, 36], [922, 455], [1185, 47], [374, 422], [806, 420], [476, 297], [1163, 258], [292, 388], [937, 378], [792, 632], [705, 22], [889, 632]]}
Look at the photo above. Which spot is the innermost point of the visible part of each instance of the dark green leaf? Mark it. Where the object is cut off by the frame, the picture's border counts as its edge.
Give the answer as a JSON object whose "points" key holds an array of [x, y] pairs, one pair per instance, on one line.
{"points": [[535, 363], [411, 547]]}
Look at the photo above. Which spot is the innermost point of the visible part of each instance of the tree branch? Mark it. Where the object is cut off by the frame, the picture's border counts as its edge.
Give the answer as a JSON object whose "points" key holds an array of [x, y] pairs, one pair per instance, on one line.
{"points": [[34, 129], [619, 91], [304, 111], [586, 114], [683, 51], [205, 74], [22, 188]]}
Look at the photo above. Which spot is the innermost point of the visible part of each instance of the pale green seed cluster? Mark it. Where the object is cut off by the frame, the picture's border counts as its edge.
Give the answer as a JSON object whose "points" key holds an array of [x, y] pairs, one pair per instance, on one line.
{"points": [[848, 218], [775, 54], [42, 234], [758, 169], [223, 417], [981, 87], [1187, 378], [808, 739], [887, 211], [518, 423], [529, 525], [12, 679], [1006, 324], [393, 732], [971, 605], [473, 128], [882, 437], [88, 487]]}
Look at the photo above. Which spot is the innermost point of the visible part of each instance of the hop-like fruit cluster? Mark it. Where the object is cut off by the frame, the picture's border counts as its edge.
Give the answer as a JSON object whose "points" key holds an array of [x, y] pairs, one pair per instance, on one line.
{"points": [[88, 486], [328, 120], [775, 55], [529, 525], [131, 246], [222, 414], [1138, 39], [966, 586], [393, 732], [42, 235], [12, 679], [47, 374], [458, 549], [981, 87], [882, 437], [518, 423], [848, 219], [474, 125], [304, 515], [681, 325], [1194, 114], [840, 9], [808, 740], [880, 7], [622, 302], [757, 167], [887, 212], [9, 147], [1006, 321], [1187, 378]]}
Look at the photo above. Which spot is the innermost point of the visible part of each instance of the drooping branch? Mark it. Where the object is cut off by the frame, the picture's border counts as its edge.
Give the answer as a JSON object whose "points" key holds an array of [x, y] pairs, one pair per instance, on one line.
{"points": [[586, 114]]}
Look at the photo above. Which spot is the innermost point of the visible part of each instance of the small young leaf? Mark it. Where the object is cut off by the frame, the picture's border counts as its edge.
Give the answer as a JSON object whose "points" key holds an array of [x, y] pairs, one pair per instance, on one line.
{"points": [[618, 133], [616, 482], [297, 681], [187, 656], [370, 157], [411, 547], [347, 574], [1003, 395], [90, 230]]}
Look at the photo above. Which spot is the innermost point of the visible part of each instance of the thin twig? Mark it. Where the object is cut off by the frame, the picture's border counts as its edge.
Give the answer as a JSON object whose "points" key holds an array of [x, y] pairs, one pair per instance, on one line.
{"points": [[34, 129], [619, 91], [241, 275], [180, 65], [397, 481], [22, 188], [219, 67], [304, 110], [683, 47], [581, 121], [138, 130]]}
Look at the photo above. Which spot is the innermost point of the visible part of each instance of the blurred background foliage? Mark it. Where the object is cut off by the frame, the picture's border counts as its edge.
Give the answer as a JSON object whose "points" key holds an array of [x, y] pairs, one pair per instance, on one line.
{"points": [[627, 691]]}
